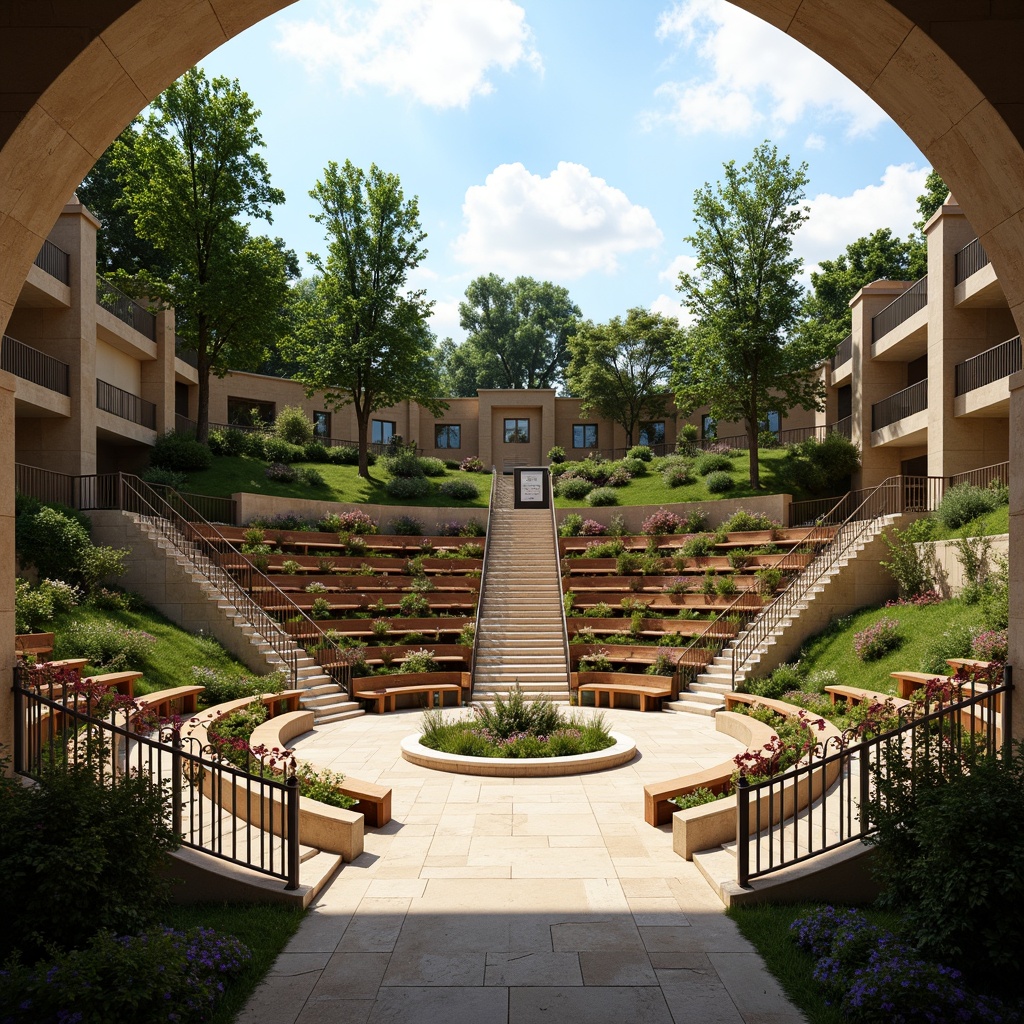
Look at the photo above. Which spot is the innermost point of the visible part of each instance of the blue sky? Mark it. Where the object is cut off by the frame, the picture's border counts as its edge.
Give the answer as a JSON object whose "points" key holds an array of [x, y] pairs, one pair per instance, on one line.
{"points": [[562, 139]]}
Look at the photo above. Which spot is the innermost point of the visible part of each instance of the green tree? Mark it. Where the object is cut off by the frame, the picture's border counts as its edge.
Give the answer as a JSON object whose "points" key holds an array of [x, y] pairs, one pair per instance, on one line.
{"points": [[517, 336], [934, 195], [740, 359], [621, 369], [361, 336], [191, 173]]}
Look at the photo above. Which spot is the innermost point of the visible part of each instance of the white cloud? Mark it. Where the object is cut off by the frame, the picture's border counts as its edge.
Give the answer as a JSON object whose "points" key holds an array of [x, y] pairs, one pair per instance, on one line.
{"points": [[671, 304], [835, 221], [444, 319], [681, 264], [814, 141], [755, 75], [563, 226], [438, 51]]}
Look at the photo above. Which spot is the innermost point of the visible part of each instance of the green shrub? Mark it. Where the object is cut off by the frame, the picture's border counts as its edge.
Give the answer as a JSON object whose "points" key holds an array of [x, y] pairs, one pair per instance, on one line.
{"points": [[635, 467], [689, 432], [414, 606], [315, 451], [343, 455], [78, 856], [52, 540], [164, 477], [821, 466], [276, 449], [310, 477], [107, 645], [767, 439], [964, 503], [699, 796], [711, 462], [403, 464], [180, 452], [742, 521], [280, 473], [34, 607], [676, 473], [433, 467], [459, 489], [472, 528], [293, 425], [641, 452], [910, 566], [995, 603], [320, 608], [602, 496], [699, 546], [783, 680], [227, 441], [955, 642], [768, 580], [571, 526], [719, 482], [877, 640], [408, 487], [405, 526], [556, 454], [575, 488]]}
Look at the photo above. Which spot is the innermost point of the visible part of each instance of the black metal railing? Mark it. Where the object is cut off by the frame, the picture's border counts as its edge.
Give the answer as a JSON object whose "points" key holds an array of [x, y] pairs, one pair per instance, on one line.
{"points": [[124, 404], [969, 260], [897, 407], [30, 364], [483, 572], [987, 476], [212, 806], [895, 495], [843, 352], [832, 798], [991, 365], [54, 261], [565, 625], [900, 309], [44, 485], [125, 308]]}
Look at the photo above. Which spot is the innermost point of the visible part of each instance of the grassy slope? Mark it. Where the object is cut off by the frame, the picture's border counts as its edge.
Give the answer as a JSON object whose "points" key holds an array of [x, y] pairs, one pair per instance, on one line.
{"points": [[230, 474], [990, 525]]}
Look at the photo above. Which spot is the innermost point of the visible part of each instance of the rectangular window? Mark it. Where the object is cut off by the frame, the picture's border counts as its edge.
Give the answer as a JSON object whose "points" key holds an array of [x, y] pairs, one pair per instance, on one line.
{"points": [[584, 435], [517, 431], [247, 412], [321, 424], [652, 434], [381, 431], [708, 426], [447, 435]]}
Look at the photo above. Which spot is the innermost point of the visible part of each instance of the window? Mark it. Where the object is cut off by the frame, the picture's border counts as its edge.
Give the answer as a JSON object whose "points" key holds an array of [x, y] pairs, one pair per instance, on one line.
{"points": [[584, 435], [381, 431], [447, 435], [772, 421], [321, 424], [708, 426], [247, 412], [652, 434], [517, 431]]}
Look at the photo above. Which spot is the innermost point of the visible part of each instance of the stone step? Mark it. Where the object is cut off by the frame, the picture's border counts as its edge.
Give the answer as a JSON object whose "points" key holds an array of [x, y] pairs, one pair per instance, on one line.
{"points": [[693, 707], [338, 716]]}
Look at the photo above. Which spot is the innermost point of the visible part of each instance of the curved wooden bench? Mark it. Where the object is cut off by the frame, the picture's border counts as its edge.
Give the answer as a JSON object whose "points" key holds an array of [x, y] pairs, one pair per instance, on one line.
{"points": [[385, 690], [160, 701], [908, 682], [858, 695], [373, 801], [650, 689]]}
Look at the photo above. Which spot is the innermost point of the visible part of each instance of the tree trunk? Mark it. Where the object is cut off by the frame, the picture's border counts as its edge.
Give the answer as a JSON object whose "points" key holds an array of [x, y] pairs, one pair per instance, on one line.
{"points": [[363, 424], [203, 400], [755, 467]]}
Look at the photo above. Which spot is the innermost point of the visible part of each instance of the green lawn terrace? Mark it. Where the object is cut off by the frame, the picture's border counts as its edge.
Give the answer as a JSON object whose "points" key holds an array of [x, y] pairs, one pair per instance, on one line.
{"points": [[667, 605]]}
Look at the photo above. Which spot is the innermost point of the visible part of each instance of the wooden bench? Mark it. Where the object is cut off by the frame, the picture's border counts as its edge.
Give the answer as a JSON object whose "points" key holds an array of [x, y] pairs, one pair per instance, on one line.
{"points": [[971, 665], [123, 682], [858, 695], [33, 645], [161, 701], [650, 689], [388, 695], [908, 682]]}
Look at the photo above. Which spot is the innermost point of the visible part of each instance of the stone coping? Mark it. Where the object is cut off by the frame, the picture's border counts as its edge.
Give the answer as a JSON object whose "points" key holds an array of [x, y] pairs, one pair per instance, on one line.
{"points": [[623, 750]]}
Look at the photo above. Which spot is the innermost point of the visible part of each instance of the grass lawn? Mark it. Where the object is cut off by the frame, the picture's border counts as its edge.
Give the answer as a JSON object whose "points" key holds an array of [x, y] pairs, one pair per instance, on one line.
{"points": [[650, 490], [230, 474], [264, 929], [169, 661], [990, 525], [921, 626]]}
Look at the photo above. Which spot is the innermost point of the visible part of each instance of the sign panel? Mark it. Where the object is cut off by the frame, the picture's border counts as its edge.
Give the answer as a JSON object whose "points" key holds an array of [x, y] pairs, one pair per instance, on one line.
{"points": [[532, 487]]}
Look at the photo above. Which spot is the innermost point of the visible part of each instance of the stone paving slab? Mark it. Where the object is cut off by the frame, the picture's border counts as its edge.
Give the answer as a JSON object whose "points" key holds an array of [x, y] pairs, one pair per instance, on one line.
{"points": [[516, 901]]}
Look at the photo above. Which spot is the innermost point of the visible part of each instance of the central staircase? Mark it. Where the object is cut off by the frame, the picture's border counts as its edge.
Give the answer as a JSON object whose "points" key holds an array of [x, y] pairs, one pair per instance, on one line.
{"points": [[520, 638]]}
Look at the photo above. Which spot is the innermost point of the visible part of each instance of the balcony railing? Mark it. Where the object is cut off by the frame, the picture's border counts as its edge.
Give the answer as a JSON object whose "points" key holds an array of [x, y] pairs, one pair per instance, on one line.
{"points": [[897, 407], [900, 309], [969, 260], [126, 309], [54, 261], [30, 364], [988, 366], [987, 476], [186, 355], [843, 352], [124, 404], [843, 426]]}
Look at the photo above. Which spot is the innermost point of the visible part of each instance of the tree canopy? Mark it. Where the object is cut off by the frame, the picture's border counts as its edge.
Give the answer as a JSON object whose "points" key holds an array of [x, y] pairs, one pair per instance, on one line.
{"points": [[191, 172], [741, 357], [360, 335], [517, 336], [621, 369]]}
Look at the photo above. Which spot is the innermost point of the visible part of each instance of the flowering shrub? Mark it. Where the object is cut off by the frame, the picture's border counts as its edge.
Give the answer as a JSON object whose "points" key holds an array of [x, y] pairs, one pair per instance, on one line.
{"points": [[592, 528], [926, 597], [459, 490], [877, 640], [107, 645], [471, 464], [660, 522], [280, 472], [405, 526], [220, 686], [353, 521], [991, 645]]}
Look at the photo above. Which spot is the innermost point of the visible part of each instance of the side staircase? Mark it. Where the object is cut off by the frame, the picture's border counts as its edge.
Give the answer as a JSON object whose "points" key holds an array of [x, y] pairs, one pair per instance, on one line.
{"points": [[322, 695], [706, 694], [519, 622]]}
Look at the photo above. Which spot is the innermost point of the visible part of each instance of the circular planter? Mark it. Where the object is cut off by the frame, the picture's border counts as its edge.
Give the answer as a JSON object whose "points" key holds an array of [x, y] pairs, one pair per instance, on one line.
{"points": [[623, 750]]}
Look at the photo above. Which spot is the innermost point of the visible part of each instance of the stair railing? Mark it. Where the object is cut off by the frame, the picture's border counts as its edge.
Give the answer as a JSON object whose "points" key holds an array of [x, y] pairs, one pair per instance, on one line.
{"points": [[561, 602], [483, 575], [892, 496], [190, 533]]}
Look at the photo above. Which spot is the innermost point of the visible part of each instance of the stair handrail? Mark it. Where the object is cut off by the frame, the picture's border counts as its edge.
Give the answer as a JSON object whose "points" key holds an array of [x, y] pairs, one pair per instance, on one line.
{"points": [[558, 572], [890, 497], [176, 525], [483, 576]]}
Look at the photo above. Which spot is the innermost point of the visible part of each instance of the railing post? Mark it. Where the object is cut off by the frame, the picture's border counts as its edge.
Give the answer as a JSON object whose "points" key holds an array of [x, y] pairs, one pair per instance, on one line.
{"points": [[176, 782], [865, 787], [292, 829], [1008, 714], [19, 722], [742, 831]]}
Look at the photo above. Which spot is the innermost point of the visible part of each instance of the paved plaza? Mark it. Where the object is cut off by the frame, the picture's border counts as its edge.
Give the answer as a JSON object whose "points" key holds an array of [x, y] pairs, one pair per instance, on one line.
{"points": [[488, 900]]}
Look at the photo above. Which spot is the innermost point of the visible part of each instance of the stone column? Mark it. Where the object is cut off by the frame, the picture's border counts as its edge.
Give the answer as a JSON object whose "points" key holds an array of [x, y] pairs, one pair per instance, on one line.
{"points": [[7, 569]]}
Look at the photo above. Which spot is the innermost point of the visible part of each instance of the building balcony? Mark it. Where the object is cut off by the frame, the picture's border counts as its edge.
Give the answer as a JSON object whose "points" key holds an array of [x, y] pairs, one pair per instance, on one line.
{"points": [[125, 405], [842, 360], [982, 383], [975, 285], [899, 331], [48, 284], [125, 309], [901, 418], [30, 364]]}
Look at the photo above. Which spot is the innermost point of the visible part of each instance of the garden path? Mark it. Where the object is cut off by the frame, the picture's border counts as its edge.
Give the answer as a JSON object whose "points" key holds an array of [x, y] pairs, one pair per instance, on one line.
{"points": [[516, 901]]}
